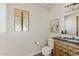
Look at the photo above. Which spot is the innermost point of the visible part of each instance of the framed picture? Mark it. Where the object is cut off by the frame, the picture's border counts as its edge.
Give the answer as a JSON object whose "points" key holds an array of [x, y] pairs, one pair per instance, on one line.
{"points": [[54, 25], [21, 20]]}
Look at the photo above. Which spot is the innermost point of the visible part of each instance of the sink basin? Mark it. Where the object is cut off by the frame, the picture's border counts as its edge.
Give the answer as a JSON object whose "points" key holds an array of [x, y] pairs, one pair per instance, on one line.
{"points": [[65, 37]]}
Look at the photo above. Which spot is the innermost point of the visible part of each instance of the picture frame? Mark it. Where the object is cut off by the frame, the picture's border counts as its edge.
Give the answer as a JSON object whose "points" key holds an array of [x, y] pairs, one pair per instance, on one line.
{"points": [[54, 25]]}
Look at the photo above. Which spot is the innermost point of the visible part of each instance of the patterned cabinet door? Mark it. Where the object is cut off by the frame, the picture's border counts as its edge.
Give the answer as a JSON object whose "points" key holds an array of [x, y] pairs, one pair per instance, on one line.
{"points": [[62, 48]]}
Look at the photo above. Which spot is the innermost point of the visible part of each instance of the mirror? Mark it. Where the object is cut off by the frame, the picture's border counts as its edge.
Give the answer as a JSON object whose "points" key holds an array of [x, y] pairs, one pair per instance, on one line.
{"points": [[72, 19]]}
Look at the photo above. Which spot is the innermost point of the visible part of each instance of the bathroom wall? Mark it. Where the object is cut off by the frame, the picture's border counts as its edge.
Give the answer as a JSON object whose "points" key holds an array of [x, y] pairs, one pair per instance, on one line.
{"points": [[57, 11], [22, 43], [3, 17], [3, 29]]}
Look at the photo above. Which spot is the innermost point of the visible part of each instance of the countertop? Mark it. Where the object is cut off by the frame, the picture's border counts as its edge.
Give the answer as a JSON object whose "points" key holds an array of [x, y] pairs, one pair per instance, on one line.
{"points": [[72, 40]]}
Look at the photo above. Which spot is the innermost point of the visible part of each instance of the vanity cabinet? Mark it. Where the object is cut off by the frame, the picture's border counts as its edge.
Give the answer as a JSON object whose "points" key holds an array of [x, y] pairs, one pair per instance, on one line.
{"points": [[63, 48]]}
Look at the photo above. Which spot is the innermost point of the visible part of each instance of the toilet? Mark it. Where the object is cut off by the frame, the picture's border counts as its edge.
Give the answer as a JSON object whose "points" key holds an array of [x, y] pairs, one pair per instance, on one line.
{"points": [[47, 50]]}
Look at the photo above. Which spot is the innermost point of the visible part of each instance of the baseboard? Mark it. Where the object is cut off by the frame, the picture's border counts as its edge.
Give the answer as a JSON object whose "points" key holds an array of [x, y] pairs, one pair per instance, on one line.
{"points": [[3, 54], [33, 53]]}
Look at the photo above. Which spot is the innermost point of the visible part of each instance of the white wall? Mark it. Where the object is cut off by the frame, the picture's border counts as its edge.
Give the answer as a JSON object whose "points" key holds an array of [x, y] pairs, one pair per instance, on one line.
{"points": [[3, 29], [57, 11], [3, 17], [22, 43]]}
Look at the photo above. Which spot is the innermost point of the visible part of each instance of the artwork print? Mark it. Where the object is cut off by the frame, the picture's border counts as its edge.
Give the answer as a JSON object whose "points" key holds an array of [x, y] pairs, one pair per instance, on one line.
{"points": [[54, 25]]}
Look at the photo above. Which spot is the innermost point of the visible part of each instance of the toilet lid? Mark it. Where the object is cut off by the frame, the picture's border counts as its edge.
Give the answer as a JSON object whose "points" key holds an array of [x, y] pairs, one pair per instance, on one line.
{"points": [[46, 48]]}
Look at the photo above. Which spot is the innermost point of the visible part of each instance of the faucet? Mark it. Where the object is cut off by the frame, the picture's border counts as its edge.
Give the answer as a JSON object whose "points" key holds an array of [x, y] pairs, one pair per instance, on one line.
{"points": [[73, 38]]}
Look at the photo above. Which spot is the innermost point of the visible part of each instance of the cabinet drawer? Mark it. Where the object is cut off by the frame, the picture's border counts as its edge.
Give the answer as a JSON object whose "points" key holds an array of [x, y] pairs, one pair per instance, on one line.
{"points": [[76, 51]]}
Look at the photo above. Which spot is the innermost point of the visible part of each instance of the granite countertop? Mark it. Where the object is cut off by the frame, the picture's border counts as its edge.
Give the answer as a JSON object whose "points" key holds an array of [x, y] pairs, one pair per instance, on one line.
{"points": [[72, 40]]}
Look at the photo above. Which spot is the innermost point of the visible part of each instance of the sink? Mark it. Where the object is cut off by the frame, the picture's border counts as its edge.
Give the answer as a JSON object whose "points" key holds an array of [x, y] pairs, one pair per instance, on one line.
{"points": [[71, 39], [65, 37]]}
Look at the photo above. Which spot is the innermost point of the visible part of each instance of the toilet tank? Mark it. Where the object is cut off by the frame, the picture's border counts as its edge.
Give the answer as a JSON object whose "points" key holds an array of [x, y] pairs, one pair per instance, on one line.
{"points": [[51, 43]]}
